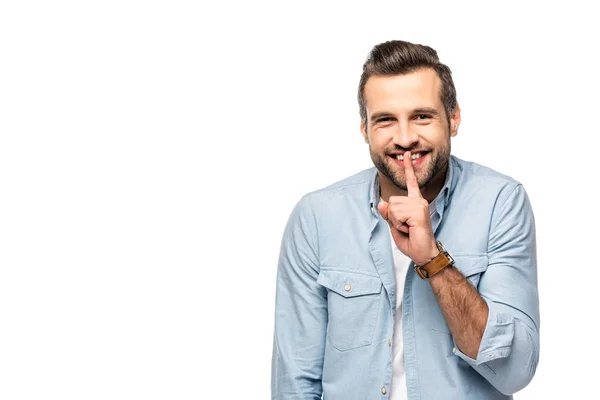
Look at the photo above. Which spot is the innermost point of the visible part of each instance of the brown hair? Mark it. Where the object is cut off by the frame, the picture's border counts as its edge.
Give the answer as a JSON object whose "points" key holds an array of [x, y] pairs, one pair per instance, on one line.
{"points": [[397, 57]]}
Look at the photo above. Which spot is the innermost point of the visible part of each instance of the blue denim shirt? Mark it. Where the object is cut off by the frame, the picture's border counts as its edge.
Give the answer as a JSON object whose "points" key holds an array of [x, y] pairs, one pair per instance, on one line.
{"points": [[336, 293]]}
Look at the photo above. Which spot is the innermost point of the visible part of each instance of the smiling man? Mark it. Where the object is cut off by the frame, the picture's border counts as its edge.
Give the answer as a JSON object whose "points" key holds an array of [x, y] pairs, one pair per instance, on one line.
{"points": [[413, 279]]}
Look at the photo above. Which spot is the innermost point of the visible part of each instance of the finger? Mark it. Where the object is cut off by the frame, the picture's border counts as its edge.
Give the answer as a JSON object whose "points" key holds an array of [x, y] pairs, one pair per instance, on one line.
{"points": [[398, 226], [398, 218], [399, 237], [411, 180], [382, 207]]}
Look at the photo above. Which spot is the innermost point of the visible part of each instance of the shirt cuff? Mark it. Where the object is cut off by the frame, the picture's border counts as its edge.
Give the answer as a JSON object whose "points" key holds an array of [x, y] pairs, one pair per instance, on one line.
{"points": [[497, 338]]}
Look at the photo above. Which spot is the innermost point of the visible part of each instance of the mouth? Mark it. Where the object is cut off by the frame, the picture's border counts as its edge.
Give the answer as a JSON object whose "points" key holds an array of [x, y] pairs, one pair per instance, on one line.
{"points": [[416, 158]]}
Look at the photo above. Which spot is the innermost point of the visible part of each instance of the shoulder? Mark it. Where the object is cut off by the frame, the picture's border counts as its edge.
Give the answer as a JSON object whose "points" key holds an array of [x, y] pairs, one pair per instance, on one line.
{"points": [[356, 185], [470, 170], [354, 182], [472, 179], [347, 195]]}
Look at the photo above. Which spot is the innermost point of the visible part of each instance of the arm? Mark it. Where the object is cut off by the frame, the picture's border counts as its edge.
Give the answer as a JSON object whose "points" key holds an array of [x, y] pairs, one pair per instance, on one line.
{"points": [[300, 312], [497, 333], [506, 349], [465, 311]]}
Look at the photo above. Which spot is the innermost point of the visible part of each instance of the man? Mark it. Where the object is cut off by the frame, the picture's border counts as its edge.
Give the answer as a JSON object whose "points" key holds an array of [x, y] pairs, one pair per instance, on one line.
{"points": [[416, 278]]}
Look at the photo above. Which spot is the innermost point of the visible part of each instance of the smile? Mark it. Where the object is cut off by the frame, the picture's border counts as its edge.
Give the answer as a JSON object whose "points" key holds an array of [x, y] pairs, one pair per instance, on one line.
{"points": [[412, 156], [417, 158]]}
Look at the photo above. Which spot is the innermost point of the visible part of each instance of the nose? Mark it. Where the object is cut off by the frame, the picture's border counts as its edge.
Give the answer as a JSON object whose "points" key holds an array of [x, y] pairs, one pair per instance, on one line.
{"points": [[405, 136]]}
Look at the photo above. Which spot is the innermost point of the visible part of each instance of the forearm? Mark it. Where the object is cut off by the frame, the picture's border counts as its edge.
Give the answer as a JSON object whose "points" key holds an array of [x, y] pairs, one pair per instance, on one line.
{"points": [[493, 338], [466, 313], [509, 350], [495, 327]]}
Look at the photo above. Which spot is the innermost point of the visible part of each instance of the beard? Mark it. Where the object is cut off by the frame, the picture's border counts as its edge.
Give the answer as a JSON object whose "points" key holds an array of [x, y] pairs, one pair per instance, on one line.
{"points": [[438, 159]]}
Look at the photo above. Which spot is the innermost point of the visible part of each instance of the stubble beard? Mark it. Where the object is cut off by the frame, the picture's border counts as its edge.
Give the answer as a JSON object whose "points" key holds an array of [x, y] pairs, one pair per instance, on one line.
{"points": [[438, 159]]}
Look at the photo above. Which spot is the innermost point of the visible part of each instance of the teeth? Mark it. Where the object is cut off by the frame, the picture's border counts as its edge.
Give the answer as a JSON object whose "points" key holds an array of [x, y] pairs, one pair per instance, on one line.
{"points": [[412, 156]]}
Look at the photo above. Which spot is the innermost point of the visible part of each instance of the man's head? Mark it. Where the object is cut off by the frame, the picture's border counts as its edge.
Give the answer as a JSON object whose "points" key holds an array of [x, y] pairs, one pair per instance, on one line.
{"points": [[407, 102]]}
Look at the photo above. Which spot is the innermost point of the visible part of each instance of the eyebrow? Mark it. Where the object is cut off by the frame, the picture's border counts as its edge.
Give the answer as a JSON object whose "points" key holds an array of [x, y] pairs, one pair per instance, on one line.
{"points": [[426, 110]]}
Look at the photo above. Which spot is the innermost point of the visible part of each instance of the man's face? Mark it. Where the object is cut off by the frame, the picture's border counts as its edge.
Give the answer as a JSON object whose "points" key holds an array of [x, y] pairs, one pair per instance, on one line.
{"points": [[405, 113]]}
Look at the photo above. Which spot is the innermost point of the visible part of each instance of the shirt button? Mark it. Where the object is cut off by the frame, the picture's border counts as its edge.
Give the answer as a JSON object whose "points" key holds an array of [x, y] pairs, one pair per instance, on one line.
{"points": [[389, 342], [454, 349], [383, 390], [347, 287]]}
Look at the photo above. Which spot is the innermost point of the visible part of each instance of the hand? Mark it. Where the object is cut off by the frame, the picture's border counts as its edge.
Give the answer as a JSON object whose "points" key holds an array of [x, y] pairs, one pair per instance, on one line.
{"points": [[409, 220]]}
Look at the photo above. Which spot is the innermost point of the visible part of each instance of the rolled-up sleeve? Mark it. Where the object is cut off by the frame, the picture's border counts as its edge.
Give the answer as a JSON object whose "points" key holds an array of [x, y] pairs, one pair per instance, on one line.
{"points": [[509, 350], [300, 311]]}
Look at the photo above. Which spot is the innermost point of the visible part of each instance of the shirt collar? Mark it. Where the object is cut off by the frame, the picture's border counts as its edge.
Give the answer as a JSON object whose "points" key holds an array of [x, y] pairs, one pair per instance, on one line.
{"points": [[437, 205]]}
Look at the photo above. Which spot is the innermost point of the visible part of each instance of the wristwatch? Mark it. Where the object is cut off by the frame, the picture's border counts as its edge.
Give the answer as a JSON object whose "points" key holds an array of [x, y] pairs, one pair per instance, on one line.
{"points": [[436, 264]]}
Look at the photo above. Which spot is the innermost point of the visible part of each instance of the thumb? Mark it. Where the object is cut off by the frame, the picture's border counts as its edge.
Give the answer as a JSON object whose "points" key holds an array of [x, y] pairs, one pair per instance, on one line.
{"points": [[382, 207]]}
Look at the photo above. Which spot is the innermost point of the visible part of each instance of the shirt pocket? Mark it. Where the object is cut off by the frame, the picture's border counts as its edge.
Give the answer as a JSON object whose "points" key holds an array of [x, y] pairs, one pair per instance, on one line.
{"points": [[353, 300], [471, 265]]}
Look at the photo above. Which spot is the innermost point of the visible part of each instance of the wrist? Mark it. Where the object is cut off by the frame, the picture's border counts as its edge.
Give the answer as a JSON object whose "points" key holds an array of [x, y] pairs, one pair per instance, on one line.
{"points": [[430, 268], [429, 255]]}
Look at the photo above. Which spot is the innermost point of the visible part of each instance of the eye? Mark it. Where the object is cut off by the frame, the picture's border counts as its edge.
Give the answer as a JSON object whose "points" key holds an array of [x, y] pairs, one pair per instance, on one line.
{"points": [[423, 116], [384, 119]]}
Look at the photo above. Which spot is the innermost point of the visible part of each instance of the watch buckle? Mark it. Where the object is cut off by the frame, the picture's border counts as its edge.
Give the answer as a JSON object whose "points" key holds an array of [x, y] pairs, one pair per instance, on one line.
{"points": [[421, 272]]}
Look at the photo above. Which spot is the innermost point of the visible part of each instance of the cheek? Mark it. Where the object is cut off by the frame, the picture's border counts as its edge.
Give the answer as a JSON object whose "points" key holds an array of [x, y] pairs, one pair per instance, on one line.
{"points": [[382, 138], [377, 144], [436, 137]]}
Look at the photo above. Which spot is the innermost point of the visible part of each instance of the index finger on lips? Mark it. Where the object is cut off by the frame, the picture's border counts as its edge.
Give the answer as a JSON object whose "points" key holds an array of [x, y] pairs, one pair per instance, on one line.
{"points": [[411, 180]]}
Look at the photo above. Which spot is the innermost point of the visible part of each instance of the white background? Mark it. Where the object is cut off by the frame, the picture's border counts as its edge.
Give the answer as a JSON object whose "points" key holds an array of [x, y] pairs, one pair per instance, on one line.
{"points": [[151, 152]]}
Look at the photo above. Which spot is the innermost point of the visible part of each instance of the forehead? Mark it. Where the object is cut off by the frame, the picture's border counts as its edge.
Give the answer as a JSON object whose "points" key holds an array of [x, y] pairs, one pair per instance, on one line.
{"points": [[421, 88]]}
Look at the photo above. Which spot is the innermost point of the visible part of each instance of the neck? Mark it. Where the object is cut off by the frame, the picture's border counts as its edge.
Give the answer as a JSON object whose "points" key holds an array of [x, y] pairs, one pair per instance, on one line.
{"points": [[428, 192]]}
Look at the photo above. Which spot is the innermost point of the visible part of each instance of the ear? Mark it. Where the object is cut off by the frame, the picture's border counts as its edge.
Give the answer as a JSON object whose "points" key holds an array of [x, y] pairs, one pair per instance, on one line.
{"points": [[363, 130], [455, 121]]}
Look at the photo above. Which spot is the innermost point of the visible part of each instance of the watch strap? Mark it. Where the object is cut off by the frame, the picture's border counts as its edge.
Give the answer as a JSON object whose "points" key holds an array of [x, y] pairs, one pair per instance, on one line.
{"points": [[437, 264]]}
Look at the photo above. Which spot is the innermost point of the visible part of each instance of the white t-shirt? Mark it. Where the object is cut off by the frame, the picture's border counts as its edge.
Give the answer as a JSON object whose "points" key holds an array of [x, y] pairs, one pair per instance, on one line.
{"points": [[398, 387]]}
